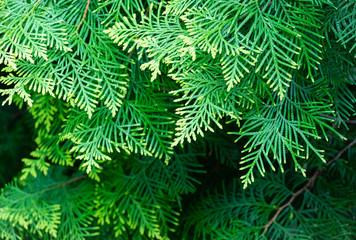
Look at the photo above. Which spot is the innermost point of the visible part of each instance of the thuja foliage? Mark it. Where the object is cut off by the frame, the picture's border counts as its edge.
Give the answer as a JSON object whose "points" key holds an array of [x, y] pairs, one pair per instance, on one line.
{"points": [[179, 119]]}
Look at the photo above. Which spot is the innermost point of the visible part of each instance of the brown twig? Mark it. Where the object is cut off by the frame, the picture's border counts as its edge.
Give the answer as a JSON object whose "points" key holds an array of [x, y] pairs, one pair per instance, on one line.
{"points": [[70, 181], [85, 14], [306, 186], [65, 183], [29, 13]]}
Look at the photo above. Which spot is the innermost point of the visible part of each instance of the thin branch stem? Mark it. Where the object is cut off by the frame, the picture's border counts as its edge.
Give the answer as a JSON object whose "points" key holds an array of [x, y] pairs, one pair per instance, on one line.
{"points": [[269, 4], [85, 15], [26, 16], [65, 183], [330, 117], [29, 13], [70, 181], [307, 185]]}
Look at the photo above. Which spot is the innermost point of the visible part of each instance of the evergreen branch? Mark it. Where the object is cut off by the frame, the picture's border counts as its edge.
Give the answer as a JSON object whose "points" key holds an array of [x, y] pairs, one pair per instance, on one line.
{"points": [[284, 69], [68, 182], [307, 185], [29, 13], [60, 185], [269, 4], [346, 121], [85, 15]]}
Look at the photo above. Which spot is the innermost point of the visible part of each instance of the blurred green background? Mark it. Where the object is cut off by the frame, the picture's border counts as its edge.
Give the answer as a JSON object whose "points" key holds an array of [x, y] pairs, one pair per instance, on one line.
{"points": [[15, 139]]}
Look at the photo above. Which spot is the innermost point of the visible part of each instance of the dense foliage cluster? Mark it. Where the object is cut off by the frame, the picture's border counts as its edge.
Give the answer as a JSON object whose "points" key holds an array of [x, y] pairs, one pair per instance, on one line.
{"points": [[179, 119]]}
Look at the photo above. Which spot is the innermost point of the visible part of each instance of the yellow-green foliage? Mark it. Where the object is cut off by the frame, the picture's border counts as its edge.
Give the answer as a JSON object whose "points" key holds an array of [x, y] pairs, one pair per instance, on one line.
{"points": [[139, 101]]}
